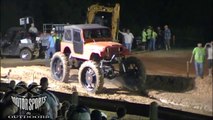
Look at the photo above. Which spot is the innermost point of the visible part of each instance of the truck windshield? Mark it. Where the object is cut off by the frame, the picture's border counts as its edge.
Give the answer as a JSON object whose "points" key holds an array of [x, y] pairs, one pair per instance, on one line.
{"points": [[97, 33]]}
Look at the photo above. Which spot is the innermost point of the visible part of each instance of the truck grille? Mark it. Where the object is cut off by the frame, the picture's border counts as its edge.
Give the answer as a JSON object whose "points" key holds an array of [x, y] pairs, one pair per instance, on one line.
{"points": [[113, 50]]}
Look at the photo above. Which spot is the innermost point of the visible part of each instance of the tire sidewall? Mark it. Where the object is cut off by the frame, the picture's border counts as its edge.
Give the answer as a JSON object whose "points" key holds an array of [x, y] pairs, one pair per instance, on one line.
{"points": [[142, 78], [99, 76], [63, 59]]}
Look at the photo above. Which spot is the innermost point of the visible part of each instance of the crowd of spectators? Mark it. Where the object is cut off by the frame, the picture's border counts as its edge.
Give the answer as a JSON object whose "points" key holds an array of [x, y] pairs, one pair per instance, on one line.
{"points": [[52, 109], [151, 39]]}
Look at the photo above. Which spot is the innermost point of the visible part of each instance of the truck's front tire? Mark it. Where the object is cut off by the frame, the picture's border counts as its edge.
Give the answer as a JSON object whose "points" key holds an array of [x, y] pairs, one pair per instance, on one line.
{"points": [[91, 77], [59, 67]]}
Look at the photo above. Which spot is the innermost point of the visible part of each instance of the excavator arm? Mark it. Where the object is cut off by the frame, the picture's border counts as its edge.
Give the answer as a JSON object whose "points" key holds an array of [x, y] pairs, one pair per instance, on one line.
{"points": [[94, 9]]}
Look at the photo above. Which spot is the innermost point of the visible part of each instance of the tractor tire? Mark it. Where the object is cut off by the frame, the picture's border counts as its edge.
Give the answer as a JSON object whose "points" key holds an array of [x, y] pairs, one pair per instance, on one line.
{"points": [[90, 77], [134, 75], [26, 54], [59, 67]]}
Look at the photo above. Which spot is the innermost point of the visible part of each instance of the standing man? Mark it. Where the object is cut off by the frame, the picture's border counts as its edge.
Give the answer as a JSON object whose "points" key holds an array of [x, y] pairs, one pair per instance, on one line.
{"points": [[198, 54], [33, 31], [44, 43], [128, 39], [167, 37], [149, 37], [144, 42], [209, 50], [57, 41], [153, 39], [159, 41], [51, 46], [51, 100]]}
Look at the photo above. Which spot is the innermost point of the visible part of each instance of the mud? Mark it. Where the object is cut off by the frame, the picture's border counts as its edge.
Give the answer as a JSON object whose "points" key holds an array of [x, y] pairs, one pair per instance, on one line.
{"points": [[170, 83]]}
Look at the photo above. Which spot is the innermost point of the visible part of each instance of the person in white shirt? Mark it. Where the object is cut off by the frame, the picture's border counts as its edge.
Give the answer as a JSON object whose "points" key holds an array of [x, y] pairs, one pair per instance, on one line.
{"points": [[128, 39], [209, 49], [33, 31]]}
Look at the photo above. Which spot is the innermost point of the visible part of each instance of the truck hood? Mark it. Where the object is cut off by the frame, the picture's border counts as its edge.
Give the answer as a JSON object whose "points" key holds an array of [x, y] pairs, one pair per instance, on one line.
{"points": [[101, 45]]}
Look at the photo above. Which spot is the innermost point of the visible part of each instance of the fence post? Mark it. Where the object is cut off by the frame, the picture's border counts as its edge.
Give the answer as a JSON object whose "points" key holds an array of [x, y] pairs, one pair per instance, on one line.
{"points": [[74, 99], [153, 113]]}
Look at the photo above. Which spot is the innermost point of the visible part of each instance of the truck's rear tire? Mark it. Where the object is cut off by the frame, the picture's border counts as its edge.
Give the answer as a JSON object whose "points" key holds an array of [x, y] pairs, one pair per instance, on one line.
{"points": [[26, 54], [59, 67], [135, 75], [91, 77]]}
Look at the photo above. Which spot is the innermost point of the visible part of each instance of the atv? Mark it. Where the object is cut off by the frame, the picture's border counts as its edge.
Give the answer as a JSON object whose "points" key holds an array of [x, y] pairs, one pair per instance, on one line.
{"points": [[89, 47]]}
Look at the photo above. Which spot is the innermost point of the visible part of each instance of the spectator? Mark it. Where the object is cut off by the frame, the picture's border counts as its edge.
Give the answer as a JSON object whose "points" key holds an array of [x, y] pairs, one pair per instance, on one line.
{"points": [[11, 91], [198, 54], [21, 88], [128, 39], [144, 40], [209, 50], [52, 100], [44, 43], [33, 31], [153, 40], [12, 85], [79, 113], [167, 37], [51, 45], [7, 106], [33, 87], [96, 115], [121, 112], [64, 109], [57, 41], [149, 36], [159, 41]]}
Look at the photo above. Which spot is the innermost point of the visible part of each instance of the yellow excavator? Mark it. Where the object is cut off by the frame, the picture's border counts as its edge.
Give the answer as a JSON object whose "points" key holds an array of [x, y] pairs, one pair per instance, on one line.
{"points": [[115, 10]]}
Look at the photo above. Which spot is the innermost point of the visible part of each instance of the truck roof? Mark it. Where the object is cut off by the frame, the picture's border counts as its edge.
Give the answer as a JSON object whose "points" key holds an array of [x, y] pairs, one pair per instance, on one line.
{"points": [[85, 26]]}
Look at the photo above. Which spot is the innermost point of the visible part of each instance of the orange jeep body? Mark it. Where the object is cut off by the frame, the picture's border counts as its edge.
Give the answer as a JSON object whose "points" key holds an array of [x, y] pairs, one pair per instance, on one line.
{"points": [[84, 41], [89, 48]]}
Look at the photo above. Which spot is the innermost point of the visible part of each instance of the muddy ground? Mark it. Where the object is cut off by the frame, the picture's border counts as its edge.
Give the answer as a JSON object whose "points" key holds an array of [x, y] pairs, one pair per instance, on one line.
{"points": [[167, 82]]}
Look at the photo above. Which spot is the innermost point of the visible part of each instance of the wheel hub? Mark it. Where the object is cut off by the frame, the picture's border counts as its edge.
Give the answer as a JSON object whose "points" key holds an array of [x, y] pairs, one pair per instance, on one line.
{"points": [[89, 83], [24, 55], [58, 68]]}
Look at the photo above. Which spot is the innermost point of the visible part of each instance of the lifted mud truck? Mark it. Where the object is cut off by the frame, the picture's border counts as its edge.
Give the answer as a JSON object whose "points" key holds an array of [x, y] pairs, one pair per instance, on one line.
{"points": [[89, 48]]}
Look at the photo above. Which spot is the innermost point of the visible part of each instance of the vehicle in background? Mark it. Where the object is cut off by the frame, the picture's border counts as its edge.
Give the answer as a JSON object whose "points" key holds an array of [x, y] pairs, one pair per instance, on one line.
{"points": [[17, 42]]}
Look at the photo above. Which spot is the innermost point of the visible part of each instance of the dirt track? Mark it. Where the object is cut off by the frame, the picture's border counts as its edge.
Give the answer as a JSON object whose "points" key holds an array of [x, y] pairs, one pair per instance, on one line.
{"points": [[170, 91]]}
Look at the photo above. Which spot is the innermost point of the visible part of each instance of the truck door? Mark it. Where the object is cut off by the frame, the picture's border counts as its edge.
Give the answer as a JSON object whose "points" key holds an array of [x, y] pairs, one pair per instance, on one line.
{"points": [[77, 42]]}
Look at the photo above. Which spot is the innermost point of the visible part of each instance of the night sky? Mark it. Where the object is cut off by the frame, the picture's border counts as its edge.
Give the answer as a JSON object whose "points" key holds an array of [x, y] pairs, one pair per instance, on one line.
{"points": [[189, 20]]}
